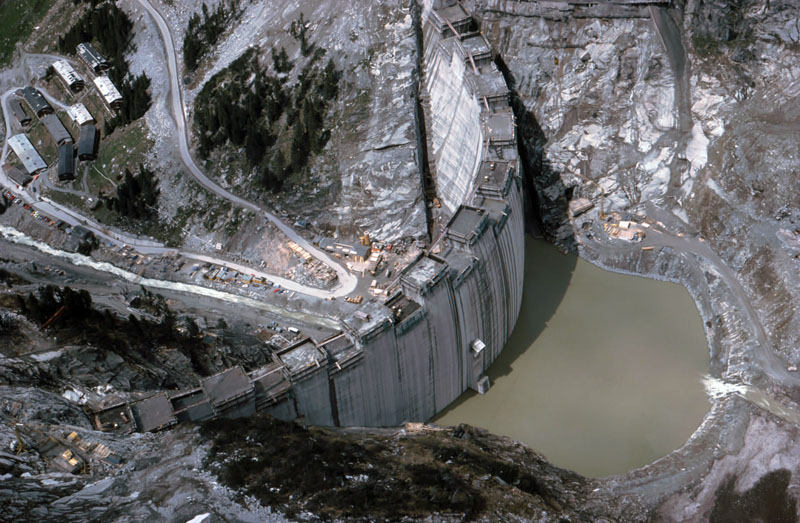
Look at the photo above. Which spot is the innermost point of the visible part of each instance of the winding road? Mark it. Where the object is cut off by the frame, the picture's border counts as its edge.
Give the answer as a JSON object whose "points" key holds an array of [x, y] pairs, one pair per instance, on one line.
{"points": [[347, 282]]}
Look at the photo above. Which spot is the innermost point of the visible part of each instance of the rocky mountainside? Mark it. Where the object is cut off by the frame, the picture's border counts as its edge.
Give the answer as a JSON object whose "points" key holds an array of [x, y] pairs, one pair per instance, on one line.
{"points": [[691, 109], [686, 114], [683, 112], [366, 179]]}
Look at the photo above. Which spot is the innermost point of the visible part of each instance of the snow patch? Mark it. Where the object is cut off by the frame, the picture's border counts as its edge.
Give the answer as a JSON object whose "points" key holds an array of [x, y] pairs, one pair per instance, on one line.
{"points": [[707, 106], [73, 396], [593, 135], [46, 356], [714, 186], [657, 187], [655, 160], [681, 213], [697, 149]]}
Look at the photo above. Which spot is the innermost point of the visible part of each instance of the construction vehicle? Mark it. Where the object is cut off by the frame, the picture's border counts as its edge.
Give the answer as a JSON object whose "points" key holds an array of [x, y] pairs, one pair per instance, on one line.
{"points": [[358, 299], [68, 461]]}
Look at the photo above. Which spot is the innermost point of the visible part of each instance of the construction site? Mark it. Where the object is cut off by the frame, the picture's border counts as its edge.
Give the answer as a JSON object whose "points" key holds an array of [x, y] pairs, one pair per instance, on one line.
{"points": [[61, 450], [176, 275], [472, 273]]}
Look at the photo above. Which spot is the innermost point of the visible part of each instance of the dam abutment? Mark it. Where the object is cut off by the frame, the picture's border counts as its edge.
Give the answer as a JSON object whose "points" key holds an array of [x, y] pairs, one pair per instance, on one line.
{"points": [[421, 135], [547, 202]]}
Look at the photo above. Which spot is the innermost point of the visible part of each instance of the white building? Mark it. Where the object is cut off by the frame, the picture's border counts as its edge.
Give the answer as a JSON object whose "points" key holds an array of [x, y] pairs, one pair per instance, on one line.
{"points": [[108, 91], [26, 153], [79, 114], [69, 75]]}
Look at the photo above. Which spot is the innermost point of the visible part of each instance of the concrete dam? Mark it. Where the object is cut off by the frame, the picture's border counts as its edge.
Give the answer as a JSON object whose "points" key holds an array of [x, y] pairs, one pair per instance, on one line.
{"points": [[448, 313]]}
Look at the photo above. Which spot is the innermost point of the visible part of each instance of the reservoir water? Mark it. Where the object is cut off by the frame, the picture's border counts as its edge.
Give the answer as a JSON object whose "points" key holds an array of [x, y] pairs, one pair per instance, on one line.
{"points": [[603, 372]]}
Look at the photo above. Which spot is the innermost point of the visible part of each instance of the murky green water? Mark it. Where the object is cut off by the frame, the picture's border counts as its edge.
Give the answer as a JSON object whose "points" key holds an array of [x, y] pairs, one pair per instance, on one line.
{"points": [[602, 373]]}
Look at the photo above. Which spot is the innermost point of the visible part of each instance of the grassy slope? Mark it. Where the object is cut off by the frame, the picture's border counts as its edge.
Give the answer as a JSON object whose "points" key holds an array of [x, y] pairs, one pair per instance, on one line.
{"points": [[17, 18], [127, 147]]}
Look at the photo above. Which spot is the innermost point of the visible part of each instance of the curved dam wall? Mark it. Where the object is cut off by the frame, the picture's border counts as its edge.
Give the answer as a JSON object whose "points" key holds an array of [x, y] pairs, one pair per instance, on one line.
{"points": [[453, 309], [453, 119], [448, 313]]}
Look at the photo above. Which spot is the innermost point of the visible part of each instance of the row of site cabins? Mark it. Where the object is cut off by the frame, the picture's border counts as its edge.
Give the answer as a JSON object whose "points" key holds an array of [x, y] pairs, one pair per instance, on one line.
{"points": [[32, 161], [97, 64], [89, 139]]}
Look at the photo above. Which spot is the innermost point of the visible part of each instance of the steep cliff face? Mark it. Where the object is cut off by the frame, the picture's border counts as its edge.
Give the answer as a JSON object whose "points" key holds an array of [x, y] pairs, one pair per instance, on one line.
{"points": [[597, 97], [745, 202], [720, 22], [692, 109]]}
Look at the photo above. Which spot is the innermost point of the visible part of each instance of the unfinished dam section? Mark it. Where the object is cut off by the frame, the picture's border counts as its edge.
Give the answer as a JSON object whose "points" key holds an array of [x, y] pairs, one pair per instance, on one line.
{"points": [[448, 314]]}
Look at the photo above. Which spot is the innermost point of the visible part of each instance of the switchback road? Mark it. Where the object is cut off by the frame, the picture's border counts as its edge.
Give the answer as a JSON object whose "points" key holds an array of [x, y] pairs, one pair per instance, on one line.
{"points": [[347, 281]]}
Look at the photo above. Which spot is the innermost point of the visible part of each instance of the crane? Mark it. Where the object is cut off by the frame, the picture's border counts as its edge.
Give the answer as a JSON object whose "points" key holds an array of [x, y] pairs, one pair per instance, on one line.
{"points": [[55, 316]]}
